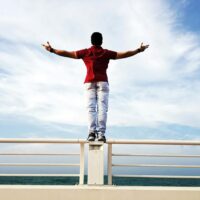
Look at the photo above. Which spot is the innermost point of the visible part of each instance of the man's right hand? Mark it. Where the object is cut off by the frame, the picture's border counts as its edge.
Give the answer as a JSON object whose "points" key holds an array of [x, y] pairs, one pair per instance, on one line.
{"points": [[143, 47], [47, 47], [69, 54]]}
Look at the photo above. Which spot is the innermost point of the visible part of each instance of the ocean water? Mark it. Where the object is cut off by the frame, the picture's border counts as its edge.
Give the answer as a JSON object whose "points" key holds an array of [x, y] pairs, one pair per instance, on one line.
{"points": [[15, 180]]}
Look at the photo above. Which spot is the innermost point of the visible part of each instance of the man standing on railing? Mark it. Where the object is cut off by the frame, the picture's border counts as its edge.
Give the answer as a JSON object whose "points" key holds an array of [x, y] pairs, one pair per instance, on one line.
{"points": [[96, 60]]}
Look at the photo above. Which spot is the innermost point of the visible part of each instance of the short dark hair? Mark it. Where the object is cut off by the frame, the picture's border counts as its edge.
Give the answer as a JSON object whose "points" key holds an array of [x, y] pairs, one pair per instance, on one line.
{"points": [[96, 38]]}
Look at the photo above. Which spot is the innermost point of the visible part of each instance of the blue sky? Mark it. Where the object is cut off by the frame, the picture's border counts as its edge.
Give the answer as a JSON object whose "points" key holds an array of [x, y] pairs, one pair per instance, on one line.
{"points": [[188, 12], [154, 95]]}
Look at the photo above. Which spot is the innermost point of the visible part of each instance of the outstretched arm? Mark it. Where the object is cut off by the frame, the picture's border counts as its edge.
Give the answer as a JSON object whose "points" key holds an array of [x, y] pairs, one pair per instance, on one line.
{"points": [[69, 54], [127, 54]]}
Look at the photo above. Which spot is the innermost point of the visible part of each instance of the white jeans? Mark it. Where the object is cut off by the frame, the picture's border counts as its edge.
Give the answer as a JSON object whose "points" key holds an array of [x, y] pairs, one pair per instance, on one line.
{"points": [[97, 105]]}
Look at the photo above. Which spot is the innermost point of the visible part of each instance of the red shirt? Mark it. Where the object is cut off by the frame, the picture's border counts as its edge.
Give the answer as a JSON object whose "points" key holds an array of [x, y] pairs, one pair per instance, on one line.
{"points": [[96, 60]]}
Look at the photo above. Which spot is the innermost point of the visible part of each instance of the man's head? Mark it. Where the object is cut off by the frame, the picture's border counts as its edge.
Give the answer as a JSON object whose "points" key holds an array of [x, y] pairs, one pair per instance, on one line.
{"points": [[96, 39]]}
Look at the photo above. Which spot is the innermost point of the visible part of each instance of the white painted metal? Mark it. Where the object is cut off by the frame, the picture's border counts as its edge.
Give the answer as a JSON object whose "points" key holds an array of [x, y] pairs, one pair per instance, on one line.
{"points": [[109, 164], [47, 141], [159, 155], [39, 164], [152, 142], [96, 164], [155, 142], [41, 140], [82, 164], [49, 175], [76, 141], [39, 154], [95, 160], [155, 176], [155, 165]]}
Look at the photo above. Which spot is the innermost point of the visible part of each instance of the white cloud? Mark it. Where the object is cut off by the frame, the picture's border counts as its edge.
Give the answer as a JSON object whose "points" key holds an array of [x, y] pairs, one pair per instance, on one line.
{"points": [[150, 88]]}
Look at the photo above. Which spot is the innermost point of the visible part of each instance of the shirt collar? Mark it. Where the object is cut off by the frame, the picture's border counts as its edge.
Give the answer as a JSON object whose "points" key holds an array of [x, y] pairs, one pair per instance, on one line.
{"points": [[96, 47]]}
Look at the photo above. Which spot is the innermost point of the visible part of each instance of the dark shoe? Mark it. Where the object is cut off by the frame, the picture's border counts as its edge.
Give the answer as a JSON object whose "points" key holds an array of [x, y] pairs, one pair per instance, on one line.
{"points": [[101, 138], [91, 137]]}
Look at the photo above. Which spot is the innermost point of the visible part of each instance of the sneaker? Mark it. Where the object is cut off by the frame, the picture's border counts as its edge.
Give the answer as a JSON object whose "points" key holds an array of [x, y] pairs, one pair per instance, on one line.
{"points": [[101, 138], [91, 137]]}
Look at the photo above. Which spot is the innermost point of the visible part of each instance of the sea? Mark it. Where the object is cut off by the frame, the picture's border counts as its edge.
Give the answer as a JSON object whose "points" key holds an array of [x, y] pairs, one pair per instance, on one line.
{"points": [[118, 181]]}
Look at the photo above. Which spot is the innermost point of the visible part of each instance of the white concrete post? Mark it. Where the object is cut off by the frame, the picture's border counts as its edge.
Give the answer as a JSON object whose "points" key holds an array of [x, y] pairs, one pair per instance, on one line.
{"points": [[96, 163]]}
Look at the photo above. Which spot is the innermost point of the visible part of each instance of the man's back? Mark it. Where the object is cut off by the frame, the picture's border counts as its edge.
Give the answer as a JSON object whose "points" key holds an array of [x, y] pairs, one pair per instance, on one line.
{"points": [[96, 60]]}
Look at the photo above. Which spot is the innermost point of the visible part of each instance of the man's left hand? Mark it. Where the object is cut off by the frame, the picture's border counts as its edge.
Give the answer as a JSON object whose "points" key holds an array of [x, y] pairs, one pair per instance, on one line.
{"points": [[143, 47]]}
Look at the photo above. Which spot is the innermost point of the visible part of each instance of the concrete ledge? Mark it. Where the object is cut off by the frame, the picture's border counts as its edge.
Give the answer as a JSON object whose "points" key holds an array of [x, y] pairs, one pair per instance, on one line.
{"points": [[31, 192]]}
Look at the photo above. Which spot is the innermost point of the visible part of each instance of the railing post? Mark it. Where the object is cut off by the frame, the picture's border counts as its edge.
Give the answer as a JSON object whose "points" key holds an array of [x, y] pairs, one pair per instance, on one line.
{"points": [[96, 163], [82, 163], [109, 164]]}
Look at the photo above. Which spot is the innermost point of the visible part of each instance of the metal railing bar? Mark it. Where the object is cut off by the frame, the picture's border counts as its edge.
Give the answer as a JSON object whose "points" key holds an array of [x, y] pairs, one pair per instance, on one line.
{"points": [[39, 154], [155, 165], [42, 140], [158, 155], [64, 175], [38, 164], [155, 176], [81, 142], [45, 140], [155, 142]]}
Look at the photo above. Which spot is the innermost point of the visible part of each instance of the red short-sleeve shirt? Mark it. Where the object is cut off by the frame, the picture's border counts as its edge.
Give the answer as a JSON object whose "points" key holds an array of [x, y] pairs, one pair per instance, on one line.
{"points": [[96, 60]]}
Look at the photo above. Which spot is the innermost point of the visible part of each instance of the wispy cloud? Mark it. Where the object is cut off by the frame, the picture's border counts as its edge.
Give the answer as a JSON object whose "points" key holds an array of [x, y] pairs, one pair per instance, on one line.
{"points": [[158, 86]]}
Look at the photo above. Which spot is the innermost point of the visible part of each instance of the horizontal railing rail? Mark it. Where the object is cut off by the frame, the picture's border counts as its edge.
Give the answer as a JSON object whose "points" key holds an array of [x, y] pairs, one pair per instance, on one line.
{"points": [[159, 155], [155, 142], [42, 140], [164, 155], [46, 141], [39, 154]]}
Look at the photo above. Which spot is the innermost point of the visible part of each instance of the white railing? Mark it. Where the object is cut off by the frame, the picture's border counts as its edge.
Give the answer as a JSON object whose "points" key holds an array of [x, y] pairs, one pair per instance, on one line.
{"points": [[47, 141], [149, 142], [110, 155]]}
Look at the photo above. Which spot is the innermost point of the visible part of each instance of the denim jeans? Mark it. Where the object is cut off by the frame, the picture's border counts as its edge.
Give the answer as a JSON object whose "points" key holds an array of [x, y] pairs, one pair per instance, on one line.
{"points": [[97, 105]]}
